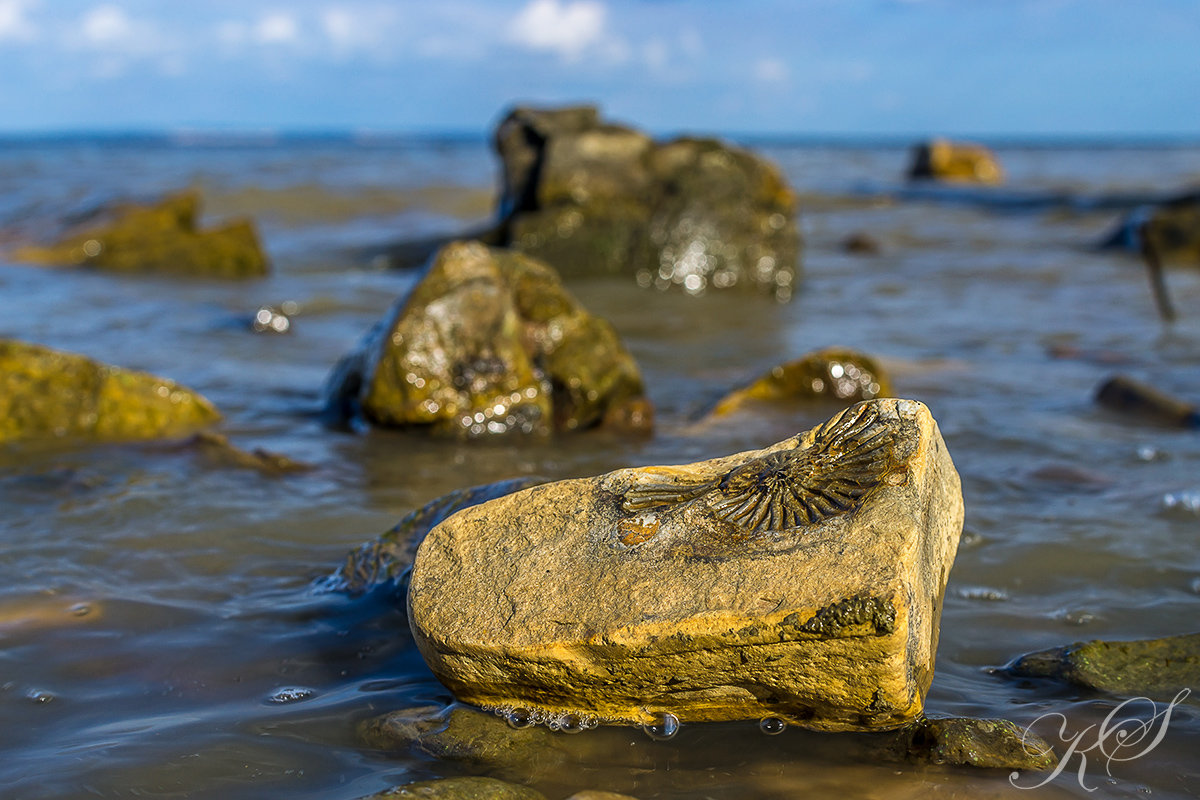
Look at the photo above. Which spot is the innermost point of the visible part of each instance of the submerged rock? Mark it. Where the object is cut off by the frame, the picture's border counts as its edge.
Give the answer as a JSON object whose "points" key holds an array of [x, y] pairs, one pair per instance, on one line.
{"points": [[218, 449], [1152, 667], [595, 198], [461, 789], [972, 742], [489, 342], [157, 238], [835, 374], [802, 581], [1173, 229], [1133, 398], [50, 394], [386, 559], [963, 162]]}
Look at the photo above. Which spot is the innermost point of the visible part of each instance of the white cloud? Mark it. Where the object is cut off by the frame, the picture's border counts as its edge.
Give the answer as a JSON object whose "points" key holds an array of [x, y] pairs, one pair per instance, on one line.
{"points": [[350, 30], [771, 70], [277, 27], [568, 28], [107, 26], [13, 23]]}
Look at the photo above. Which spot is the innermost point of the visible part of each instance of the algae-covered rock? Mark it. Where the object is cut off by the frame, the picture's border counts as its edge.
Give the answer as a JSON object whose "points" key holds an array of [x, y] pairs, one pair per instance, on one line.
{"points": [[160, 238], [960, 162], [1150, 667], [835, 374], [802, 581], [1133, 398], [461, 789], [489, 342], [596, 198], [1173, 230], [385, 559], [49, 394], [972, 742]]}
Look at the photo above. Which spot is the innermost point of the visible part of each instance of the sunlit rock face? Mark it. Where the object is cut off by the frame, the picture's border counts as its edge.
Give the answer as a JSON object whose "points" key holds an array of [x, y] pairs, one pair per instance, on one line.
{"points": [[595, 198], [958, 162], [161, 238], [834, 374], [801, 583], [489, 342], [50, 394]]}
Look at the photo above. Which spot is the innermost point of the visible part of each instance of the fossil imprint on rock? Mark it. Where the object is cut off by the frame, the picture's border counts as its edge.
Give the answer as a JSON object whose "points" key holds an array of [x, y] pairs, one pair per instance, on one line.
{"points": [[850, 456]]}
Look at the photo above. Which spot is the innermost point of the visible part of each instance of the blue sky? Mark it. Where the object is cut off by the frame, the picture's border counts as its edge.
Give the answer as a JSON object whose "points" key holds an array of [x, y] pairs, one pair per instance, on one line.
{"points": [[861, 67]]}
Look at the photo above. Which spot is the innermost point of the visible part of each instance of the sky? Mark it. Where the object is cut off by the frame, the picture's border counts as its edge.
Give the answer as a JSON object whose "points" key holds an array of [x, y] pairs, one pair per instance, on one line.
{"points": [[870, 68]]}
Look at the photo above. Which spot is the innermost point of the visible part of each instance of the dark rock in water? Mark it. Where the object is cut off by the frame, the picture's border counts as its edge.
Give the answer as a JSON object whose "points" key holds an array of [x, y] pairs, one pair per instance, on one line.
{"points": [[1173, 228], [1157, 668], [162, 238], [961, 162], [385, 559], [971, 742], [50, 394], [460, 789], [861, 244], [1133, 398], [835, 374], [489, 342], [221, 451], [595, 198]]}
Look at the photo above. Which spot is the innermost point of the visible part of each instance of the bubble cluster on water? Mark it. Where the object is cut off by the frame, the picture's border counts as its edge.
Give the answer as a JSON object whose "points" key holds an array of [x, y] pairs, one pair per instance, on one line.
{"points": [[563, 722]]}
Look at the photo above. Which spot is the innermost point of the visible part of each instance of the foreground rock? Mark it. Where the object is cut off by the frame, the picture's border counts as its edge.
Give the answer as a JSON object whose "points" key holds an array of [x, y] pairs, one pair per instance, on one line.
{"points": [[835, 373], [959, 162], [384, 560], [594, 198], [489, 342], [49, 394], [486, 741], [803, 582], [1173, 229], [461, 789], [1132, 398], [1157, 668], [161, 238]]}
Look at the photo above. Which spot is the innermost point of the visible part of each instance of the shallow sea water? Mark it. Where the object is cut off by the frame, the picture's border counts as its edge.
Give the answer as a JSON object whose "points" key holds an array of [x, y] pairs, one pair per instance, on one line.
{"points": [[158, 632]]}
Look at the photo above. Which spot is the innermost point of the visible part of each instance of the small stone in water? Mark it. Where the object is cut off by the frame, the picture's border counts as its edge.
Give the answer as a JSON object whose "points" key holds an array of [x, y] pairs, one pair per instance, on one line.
{"points": [[772, 726], [664, 727], [290, 694]]}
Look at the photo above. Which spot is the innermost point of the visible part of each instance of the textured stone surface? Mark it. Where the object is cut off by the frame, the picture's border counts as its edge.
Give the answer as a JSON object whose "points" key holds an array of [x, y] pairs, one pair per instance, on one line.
{"points": [[835, 374], [158, 238], [803, 581], [972, 742], [961, 162], [1155, 667], [461, 789], [595, 198], [48, 394], [489, 342]]}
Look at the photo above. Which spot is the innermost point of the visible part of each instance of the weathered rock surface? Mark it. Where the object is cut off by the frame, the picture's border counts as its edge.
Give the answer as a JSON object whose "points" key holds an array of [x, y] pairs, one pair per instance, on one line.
{"points": [[961, 162], [49, 394], [489, 342], [1132, 398], [1152, 667], [803, 581], [972, 742], [385, 559], [461, 789], [1173, 228], [160, 238], [835, 374], [596, 198]]}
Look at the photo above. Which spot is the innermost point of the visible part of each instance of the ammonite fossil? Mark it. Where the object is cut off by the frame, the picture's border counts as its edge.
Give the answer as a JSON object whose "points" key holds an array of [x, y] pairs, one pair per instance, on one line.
{"points": [[851, 455]]}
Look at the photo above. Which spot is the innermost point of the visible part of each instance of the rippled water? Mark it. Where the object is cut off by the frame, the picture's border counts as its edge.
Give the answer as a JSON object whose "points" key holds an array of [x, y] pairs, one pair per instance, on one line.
{"points": [[158, 636]]}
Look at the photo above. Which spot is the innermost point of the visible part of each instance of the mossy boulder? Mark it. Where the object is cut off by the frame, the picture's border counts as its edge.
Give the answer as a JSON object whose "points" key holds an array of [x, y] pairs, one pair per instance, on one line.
{"points": [[957, 162], [460, 789], [835, 374], [161, 238], [596, 198], [1156, 668], [49, 394], [1171, 229], [489, 342]]}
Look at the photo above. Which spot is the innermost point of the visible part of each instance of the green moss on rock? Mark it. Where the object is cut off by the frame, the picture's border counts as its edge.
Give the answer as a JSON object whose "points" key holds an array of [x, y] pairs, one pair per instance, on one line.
{"points": [[48, 394], [1153, 667], [461, 789]]}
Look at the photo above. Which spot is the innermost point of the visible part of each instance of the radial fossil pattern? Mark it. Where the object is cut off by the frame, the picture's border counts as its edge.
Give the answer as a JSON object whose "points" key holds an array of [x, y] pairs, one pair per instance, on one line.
{"points": [[850, 455]]}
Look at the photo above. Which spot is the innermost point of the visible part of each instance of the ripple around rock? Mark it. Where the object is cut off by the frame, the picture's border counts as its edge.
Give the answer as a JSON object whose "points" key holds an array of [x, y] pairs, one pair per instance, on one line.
{"points": [[802, 582], [1156, 668]]}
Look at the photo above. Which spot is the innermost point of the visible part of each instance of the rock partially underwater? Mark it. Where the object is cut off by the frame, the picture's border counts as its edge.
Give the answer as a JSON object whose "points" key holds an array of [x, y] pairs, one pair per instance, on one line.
{"points": [[958, 162], [489, 342], [1137, 400], [1154, 667], [1172, 228], [834, 374], [591, 197], [801, 582], [161, 238], [49, 394]]}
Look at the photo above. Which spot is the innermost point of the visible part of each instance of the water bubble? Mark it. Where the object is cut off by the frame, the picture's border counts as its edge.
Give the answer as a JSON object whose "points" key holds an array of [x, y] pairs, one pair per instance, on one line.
{"points": [[772, 726], [290, 694], [663, 727], [519, 718], [572, 723]]}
